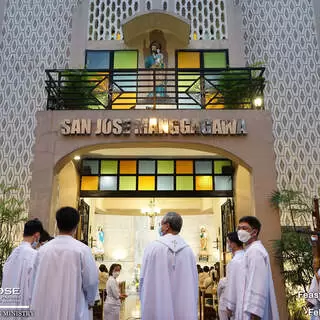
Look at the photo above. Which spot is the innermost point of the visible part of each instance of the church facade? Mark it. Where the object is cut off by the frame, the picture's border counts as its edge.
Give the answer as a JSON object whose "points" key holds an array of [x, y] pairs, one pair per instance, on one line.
{"points": [[127, 99]]}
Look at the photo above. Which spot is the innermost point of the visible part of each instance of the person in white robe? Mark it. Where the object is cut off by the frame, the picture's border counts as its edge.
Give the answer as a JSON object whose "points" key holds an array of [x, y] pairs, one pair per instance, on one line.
{"points": [[259, 296], [168, 278], [232, 298], [66, 280], [114, 297], [19, 268]]}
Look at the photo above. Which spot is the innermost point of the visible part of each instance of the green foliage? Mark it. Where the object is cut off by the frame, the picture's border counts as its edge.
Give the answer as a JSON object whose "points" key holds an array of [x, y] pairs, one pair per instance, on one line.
{"points": [[81, 89], [294, 202], [11, 217], [294, 250]]}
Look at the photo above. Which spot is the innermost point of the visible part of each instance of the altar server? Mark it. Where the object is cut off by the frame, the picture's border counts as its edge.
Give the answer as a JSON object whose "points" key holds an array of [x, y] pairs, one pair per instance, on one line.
{"points": [[169, 279], [66, 281], [19, 268], [259, 296]]}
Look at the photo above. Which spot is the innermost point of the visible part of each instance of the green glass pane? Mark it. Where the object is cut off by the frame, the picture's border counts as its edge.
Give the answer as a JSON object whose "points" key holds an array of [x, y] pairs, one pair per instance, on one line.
{"points": [[215, 59], [109, 166], [165, 183], [127, 183], [165, 166], [125, 59], [184, 183], [147, 166], [219, 164]]}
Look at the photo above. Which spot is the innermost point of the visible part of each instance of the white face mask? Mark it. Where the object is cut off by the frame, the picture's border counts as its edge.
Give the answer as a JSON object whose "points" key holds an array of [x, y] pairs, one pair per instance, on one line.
{"points": [[229, 249], [244, 236], [116, 274]]}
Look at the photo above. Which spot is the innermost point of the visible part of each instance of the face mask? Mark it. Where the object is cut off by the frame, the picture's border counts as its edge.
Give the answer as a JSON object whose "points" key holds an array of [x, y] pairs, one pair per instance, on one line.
{"points": [[229, 249], [160, 231], [116, 274], [34, 244], [244, 236]]}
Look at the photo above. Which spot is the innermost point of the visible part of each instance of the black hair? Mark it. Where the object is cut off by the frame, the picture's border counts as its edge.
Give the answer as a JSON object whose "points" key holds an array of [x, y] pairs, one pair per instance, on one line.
{"points": [[113, 266], [45, 236], [206, 269], [233, 237], [31, 227], [67, 219], [103, 268], [253, 222]]}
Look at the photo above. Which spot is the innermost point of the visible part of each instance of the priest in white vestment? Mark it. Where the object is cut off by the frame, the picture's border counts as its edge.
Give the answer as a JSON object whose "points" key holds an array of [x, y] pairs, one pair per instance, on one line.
{"points": [[259, 296], [66, 281], [19, 268], [168, 278], [232, 298]]}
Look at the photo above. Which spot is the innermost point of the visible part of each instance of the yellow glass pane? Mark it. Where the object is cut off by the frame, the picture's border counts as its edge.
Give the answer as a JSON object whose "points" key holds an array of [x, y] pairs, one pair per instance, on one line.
{"points": [[203, 183], [146, 183], [128, 166], [188, 59], [126, 100], [213, 101], [184, 167], [89, 183]]}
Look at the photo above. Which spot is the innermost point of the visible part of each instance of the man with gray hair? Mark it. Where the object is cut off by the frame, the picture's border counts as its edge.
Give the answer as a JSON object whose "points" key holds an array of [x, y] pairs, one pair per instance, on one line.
{"points": [[169, 278]]}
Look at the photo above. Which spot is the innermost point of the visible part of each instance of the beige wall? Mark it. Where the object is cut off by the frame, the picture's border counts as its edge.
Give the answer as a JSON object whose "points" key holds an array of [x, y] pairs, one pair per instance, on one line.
{"points": [[254, 152]]}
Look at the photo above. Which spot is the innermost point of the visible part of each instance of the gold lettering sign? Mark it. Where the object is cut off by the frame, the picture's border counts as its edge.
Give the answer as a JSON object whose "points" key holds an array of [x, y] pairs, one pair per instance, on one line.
{"points": [[153, 127]]}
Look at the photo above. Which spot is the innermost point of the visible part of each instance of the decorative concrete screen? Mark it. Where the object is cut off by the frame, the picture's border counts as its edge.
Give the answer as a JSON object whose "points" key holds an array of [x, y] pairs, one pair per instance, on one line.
{"points": [[207, 17]]}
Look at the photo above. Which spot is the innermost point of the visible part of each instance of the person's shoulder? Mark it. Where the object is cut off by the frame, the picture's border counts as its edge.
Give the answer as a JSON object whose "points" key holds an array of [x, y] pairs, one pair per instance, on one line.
{"points": [[256, 249]]}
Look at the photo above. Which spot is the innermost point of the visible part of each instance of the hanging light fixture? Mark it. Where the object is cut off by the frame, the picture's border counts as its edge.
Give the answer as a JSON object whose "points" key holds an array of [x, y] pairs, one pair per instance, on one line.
{"points": [[151, 211]]}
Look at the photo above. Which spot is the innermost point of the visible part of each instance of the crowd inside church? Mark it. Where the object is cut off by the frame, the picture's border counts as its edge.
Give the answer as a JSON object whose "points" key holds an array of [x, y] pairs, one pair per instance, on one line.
{"points": [[59, 280]]}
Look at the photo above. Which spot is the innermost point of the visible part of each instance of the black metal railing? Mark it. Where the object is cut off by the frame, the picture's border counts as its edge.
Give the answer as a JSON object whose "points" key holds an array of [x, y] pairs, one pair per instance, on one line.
{"points": [[231, 88]]}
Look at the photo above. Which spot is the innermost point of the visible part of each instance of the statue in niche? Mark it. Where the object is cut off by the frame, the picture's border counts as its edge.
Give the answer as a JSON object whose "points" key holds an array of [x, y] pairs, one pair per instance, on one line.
{"points": [[203, 240], [100, 239], [156, 59]]}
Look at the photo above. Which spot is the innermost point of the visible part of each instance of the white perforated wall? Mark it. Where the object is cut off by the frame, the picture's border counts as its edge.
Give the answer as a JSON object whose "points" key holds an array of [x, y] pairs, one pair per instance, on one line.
{"points": [[106, 16]]}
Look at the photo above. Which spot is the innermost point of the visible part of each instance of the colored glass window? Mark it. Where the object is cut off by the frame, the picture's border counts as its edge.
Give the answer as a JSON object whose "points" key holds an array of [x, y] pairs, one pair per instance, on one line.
{"points": [[97, 59], [146, 183], [128, 166], [89, 183], [184, 183], [219, 166], [147, 167], [90, 167], [127, 183], [109, 166], [165, 183], [203, 167], [188, 59], [125, 59], [108, 183], [215, 59], [184, 167], [165, 166], [203, 183], [223, 183]]}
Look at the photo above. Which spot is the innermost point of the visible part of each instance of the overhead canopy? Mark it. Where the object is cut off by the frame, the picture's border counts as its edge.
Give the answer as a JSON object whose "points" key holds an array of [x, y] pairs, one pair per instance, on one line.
{"points": [[159, 20]]}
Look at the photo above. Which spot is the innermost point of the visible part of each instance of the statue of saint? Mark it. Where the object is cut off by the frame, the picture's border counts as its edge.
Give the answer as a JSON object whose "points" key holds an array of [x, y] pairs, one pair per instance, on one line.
{"points": [[156, 61], [203, 240]]}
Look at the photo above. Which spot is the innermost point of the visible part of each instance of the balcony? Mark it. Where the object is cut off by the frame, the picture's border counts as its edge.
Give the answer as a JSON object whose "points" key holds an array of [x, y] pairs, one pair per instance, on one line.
{"points": [[231, 88]]}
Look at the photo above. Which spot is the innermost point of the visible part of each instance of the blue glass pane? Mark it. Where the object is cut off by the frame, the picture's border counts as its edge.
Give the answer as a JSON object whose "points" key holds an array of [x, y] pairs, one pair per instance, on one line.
{"points": [[147, 166], [127, 82], [222, 183], [108, 183], [165, 183], [90, 167], [203, 167], [98, 60]]}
